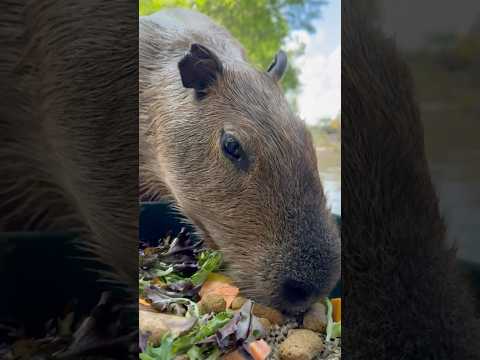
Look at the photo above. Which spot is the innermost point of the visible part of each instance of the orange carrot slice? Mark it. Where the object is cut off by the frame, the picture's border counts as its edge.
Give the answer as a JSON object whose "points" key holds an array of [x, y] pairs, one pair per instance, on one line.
{"points": [[259, 349], [337, 309]]}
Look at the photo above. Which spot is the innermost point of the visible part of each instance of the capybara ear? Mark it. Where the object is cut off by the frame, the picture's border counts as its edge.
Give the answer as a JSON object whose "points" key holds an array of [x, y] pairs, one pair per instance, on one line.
{"points": [[199, 69], [278, 66]]}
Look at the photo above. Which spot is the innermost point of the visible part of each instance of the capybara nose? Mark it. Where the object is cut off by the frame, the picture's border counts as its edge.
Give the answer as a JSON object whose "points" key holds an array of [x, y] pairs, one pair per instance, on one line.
{"points": [[296, 292]]}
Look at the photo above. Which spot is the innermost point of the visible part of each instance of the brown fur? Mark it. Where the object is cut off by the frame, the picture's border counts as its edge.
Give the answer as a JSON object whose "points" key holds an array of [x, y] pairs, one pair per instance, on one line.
{"points": [[271, 223], [404, 296], [68, 130]]}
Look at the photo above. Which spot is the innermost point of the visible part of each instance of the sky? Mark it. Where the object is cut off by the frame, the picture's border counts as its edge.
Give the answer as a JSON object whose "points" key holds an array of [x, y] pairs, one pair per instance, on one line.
{"points": [[320, 76], [320, 94]]}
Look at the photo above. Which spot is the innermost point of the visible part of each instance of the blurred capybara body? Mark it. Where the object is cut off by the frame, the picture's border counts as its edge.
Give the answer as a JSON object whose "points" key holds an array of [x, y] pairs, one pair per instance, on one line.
{"points": [[68, 129], [217, 138], [405, 297]]}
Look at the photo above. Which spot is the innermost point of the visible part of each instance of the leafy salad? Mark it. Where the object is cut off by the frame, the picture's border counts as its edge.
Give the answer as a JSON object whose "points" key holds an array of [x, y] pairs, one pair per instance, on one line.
{"points": [[174, 319]]}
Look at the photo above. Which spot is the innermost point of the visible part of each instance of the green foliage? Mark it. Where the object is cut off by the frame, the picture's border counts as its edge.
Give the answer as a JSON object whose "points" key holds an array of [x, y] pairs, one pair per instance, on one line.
{"points": [[262, 26]]}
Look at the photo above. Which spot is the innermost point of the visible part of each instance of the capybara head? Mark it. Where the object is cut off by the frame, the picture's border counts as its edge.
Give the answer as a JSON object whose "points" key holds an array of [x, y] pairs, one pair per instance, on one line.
{"points": [[242, 168]]}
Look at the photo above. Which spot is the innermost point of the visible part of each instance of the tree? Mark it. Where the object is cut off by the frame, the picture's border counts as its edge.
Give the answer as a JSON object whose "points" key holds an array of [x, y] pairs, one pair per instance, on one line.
{"points": [[262, 26]]}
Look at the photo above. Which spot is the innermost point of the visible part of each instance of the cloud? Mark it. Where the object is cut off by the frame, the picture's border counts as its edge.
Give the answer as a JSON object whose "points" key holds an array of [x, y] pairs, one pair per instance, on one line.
{"points": [[302, 37], [320, 79], [320, 73]]}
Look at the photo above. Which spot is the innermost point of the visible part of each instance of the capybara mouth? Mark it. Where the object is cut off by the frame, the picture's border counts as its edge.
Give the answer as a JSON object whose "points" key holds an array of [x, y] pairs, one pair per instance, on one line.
{"points": [[291, 300], [293, 304], [296, 309]]}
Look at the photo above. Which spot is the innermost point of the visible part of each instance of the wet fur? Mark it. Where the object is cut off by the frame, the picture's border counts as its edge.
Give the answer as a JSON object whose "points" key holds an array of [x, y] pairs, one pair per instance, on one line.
{"points": [[404, 295]]}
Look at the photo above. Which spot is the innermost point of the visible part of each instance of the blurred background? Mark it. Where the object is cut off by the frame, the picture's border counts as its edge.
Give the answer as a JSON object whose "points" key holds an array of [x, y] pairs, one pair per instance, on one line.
{"points": [[444, 56], [309, 30], [440, 41]]}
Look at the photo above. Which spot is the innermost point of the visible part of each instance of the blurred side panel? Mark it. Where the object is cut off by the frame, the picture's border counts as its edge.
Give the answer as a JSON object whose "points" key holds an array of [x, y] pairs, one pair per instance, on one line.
{"points": [[409, 158], [69, 178]]}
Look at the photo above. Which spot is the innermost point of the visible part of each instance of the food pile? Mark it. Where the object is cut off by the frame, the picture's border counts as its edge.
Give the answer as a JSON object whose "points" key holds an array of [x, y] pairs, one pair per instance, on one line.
{"points": [[190, 311]]}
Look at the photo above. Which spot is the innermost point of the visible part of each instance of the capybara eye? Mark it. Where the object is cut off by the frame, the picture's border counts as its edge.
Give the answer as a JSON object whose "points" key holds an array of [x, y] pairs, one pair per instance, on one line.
{"points": [[233, 150], [231, 147]]}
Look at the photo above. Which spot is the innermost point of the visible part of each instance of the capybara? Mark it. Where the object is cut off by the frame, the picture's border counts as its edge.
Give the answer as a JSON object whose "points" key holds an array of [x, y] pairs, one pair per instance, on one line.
{"points": [[218, 139]]}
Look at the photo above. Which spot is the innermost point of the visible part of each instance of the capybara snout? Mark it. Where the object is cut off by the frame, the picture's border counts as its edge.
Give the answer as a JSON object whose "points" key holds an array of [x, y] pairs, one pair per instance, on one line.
{"points": [[306, 261]]}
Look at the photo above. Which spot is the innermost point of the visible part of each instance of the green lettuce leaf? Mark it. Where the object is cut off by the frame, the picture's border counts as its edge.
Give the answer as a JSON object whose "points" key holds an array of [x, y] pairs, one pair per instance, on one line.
{"points": [[162, 352], [208, 261], [201, 332]]}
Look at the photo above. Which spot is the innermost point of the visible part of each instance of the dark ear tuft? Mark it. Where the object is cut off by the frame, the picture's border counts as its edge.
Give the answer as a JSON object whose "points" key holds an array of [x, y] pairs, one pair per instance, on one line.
{"points": [[199, 68], [278, 67]]}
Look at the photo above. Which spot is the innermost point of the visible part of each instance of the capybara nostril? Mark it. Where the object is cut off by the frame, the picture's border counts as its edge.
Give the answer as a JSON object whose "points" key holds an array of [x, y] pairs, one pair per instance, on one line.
{"points": [[296, 292]]}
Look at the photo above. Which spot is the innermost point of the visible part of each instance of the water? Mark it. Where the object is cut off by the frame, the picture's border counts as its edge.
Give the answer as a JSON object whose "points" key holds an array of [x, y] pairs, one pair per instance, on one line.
{"points": [[332, 188], [329, 165]]}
